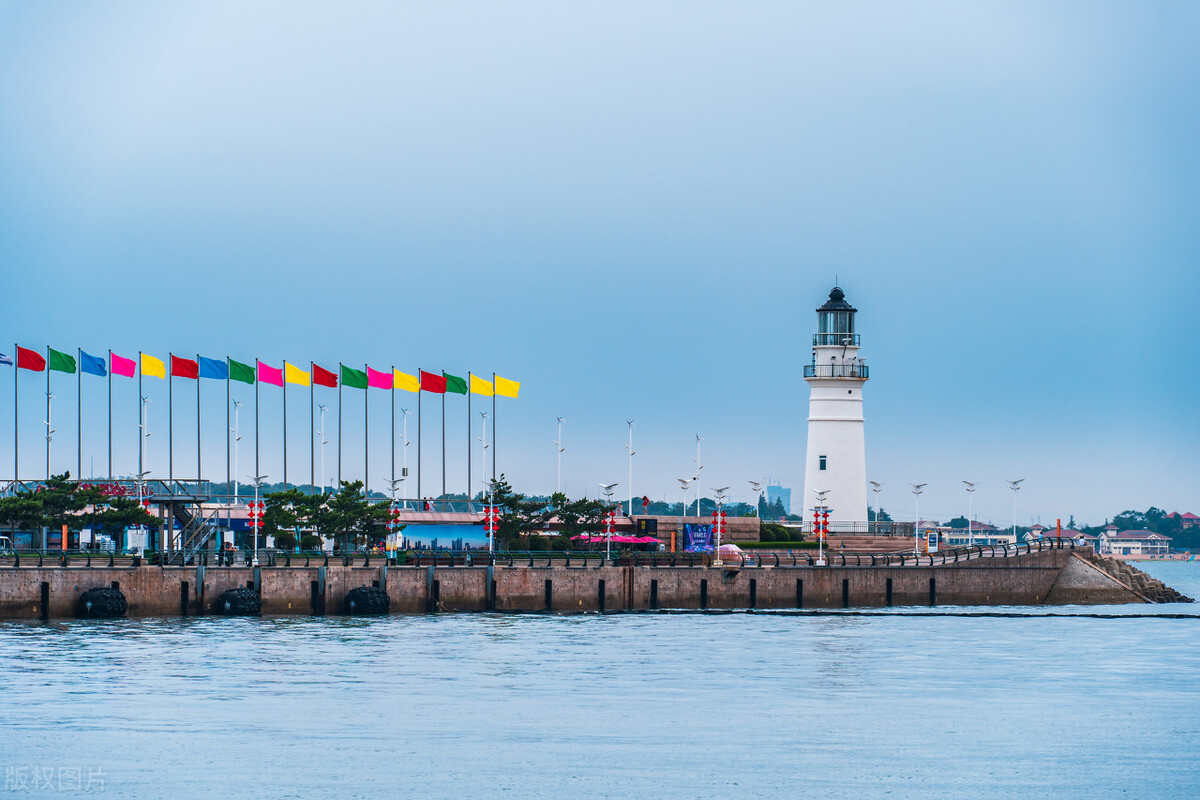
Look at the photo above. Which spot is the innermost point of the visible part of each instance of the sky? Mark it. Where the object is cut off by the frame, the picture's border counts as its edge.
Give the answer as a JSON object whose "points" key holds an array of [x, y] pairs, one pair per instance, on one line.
{"points": [[634, 209]]}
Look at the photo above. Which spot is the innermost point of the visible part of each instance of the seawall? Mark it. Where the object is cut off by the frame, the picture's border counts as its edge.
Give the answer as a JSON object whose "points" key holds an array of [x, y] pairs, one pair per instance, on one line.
{"points": [[1053, 576]]}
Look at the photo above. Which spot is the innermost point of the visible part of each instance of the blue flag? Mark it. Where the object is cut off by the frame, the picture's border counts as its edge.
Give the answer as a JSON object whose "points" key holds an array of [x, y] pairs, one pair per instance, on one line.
{"points": [[213, 368], [92, 365], [5, 360]]}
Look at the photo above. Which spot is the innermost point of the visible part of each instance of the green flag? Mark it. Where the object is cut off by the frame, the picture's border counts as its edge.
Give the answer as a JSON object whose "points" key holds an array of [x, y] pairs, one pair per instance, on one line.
{"points": [[61, 361], [353, 378], [240, 372], [455, 384]]}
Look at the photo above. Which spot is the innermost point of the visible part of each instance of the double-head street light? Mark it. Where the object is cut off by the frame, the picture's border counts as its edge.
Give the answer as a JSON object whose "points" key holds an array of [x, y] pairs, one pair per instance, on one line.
{"points": [[917, 488], [258, 482], [684, 484], [1015, 486], [699, 467], [324, 441], [821, 507], [876, 487], [720, 495], [757, 488], [608, 493], [237, 437], [970, 510]]}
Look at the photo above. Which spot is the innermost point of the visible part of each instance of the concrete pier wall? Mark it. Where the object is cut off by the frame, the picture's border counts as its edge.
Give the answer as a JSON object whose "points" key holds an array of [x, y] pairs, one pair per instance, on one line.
{"points": [[151, 591]]}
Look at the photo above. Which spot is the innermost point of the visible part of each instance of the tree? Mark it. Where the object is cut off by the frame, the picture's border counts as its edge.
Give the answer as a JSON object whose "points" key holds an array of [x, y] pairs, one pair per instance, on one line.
{"points": [[879, 515], [352, 520], [61, 501], [958, 522]]}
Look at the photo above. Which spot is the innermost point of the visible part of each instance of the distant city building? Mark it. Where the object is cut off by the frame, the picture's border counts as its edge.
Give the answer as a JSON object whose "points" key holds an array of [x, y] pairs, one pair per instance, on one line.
{"points": [[780, 494], [835, 464]]}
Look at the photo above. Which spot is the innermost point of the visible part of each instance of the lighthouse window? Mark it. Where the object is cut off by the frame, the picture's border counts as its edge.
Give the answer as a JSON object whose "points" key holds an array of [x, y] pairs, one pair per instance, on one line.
{"points": [[822, 462]]}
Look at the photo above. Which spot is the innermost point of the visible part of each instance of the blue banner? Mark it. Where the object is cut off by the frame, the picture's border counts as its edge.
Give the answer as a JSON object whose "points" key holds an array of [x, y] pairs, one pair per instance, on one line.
{"points": [[213, 368], [92, 365], [697, 538]]}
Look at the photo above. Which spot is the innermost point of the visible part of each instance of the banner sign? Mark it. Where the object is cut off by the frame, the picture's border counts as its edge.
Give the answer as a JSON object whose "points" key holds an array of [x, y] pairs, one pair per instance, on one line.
{"points": [[647, 527], [697, 538]]}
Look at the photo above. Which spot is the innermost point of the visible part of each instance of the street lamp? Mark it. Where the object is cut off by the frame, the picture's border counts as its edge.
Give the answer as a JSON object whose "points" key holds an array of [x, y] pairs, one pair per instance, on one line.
{"points": [[1015, 486], [141, 481], [699, 467], [487, 487], [970, 511], [258, 482], [757, 488], [560, 448], [393, 484], [821, 495], [917, 488], [876, 487], [720, 495], [684, 483], [632, 453], [608, 493]]}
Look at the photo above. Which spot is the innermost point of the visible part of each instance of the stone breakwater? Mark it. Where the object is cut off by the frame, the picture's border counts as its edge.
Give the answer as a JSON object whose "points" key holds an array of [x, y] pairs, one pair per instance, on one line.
{"points": [[1051, 577]]}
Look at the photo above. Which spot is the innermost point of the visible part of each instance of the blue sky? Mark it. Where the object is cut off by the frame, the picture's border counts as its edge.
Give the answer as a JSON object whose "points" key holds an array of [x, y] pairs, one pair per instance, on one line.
{"points": [[633, 208]]}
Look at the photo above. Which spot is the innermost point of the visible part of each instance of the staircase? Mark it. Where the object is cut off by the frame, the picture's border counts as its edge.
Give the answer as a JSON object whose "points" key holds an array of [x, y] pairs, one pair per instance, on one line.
{"points": [[196, 531], [1154, 590]]}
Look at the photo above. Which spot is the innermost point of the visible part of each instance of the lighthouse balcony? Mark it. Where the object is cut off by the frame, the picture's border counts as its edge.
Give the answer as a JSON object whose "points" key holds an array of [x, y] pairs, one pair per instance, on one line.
{"points": [[836, 340], [858, 371]]}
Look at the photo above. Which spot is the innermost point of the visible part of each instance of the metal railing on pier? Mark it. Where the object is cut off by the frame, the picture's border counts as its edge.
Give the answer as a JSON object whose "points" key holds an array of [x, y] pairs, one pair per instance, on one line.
{"points": [[88, 559]]}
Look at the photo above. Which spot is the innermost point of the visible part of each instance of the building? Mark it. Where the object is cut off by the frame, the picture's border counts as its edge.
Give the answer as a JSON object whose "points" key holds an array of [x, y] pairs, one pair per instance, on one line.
{"points": [[835, 464], [1187, 520], [784, 496], [1133, 543]]}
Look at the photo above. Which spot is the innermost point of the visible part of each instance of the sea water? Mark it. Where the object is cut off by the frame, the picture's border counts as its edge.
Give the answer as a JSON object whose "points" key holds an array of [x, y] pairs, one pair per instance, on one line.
{"points": [[892, 703]]}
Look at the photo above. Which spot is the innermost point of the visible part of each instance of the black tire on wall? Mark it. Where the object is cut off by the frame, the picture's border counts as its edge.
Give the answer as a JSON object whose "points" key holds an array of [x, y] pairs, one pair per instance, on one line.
{"points": [[103, 602], [240, 602], [366, 601]]}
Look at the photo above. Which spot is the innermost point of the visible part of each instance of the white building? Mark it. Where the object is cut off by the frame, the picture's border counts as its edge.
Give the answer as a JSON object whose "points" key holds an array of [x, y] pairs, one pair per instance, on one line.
{"points": [[1133, 543], [836, 460]]}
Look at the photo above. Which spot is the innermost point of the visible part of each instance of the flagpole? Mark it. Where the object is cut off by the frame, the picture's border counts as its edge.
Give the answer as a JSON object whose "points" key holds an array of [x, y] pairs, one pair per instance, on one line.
{"points": [[493, 426], [141, 468], [228, 475], [78, 414], [341, 375], [366, 438], [312, 429], [393, 483], [284, 389], [47, 412], [257, 471], [469, 377], [419, 393], [170, 419], [198, 471], [443, 436], [16, 397], [110, 472]]}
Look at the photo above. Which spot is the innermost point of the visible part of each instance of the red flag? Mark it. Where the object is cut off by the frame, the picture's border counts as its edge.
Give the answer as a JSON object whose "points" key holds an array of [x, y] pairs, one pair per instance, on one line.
{"points": [[323, 377], [185, 368], [432, 383], [28, 359]]}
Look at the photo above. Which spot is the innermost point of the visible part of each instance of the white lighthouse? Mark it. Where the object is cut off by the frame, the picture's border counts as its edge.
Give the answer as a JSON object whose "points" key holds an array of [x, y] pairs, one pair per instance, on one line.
{"points": [[836, 461]]}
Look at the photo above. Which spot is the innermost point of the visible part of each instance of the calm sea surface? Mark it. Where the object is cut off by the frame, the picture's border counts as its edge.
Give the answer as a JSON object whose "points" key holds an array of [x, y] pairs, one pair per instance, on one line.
{"points": [[627, 705]]}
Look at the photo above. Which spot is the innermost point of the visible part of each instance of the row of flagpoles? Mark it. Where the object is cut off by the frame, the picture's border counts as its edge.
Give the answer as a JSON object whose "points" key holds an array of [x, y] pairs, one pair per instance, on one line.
{"points": [[230, 370]]}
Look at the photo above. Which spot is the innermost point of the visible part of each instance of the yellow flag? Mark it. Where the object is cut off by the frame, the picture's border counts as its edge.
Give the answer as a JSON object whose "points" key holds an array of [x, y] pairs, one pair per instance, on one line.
{"points": [[402, 380], [507, 388], [293, 374], [480, 386], [154, 367]]}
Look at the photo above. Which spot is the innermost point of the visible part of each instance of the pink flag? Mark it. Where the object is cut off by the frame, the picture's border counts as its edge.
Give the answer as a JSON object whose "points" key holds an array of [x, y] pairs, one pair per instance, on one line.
{"points": [[380, 380], [269, 375], [123, 366]]}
